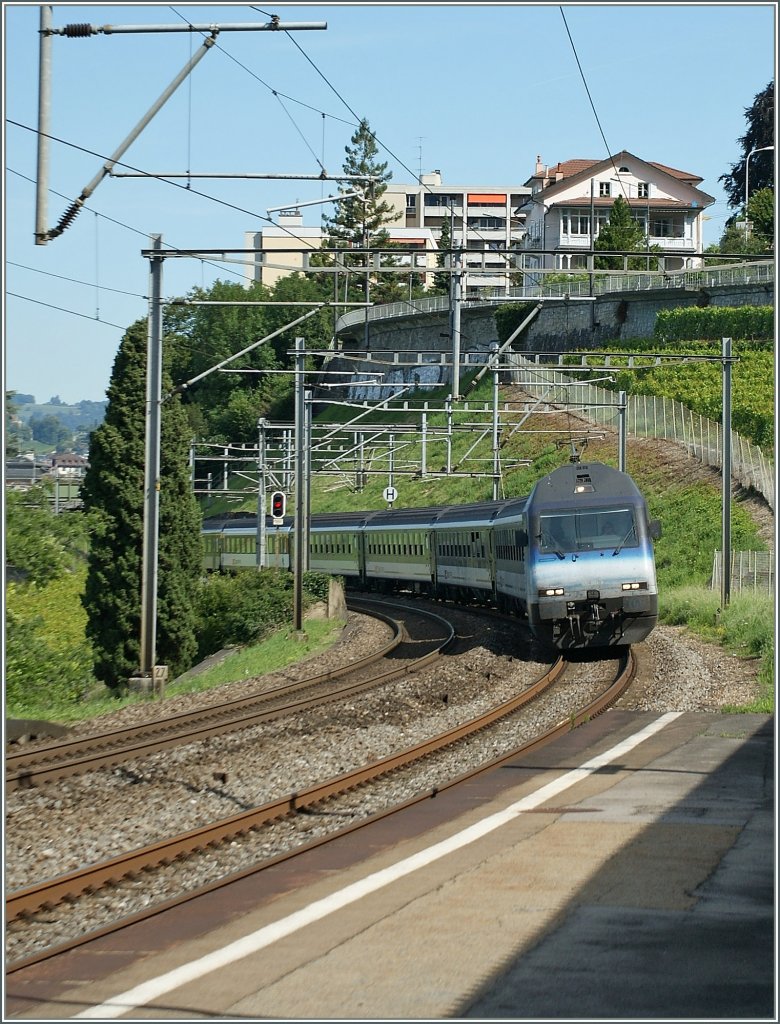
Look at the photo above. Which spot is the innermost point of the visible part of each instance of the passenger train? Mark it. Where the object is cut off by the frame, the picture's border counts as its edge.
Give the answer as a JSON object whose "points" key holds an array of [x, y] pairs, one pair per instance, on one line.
{"points": [[574, 558]]}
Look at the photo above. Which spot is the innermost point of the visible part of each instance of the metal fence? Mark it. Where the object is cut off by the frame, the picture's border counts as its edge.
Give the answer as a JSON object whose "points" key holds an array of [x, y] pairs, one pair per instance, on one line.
{"points": [[750, 571], [650, 416], [604, 282]]}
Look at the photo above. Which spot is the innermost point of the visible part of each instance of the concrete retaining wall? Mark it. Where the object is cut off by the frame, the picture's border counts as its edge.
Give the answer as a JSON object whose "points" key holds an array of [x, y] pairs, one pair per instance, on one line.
{"points": [[423, 338]]}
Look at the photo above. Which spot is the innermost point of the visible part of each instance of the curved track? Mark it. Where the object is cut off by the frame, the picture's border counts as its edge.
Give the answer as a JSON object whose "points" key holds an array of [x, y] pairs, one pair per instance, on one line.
{"points": [[28, 901], [67, 758]]}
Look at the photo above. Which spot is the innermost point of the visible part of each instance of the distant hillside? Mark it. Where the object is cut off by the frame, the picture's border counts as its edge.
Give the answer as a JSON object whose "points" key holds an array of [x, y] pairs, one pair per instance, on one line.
{"points": [[81, 416]]}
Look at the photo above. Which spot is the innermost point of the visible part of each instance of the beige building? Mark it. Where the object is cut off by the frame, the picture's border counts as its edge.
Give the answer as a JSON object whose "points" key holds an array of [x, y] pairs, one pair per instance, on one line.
{"points": [[285, 248], [482, 219]]}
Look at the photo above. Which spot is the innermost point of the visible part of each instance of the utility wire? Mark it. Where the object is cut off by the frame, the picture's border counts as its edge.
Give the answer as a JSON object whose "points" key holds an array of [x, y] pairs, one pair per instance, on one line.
{"points": [[592, 105], [73, 280], [62, 309]]}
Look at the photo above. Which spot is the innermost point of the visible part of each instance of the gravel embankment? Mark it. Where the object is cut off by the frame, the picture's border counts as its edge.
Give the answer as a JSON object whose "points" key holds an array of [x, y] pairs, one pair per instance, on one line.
{"points": [[96, 816]]}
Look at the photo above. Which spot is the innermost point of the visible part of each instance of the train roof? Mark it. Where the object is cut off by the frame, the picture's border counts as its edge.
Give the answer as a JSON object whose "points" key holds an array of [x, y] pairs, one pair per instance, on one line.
{"points": [[591, 482], [479, 512]]}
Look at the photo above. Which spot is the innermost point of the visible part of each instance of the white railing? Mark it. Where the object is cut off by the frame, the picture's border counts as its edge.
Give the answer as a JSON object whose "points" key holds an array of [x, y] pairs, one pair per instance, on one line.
{"points": [[604, 283], [652, 416]]}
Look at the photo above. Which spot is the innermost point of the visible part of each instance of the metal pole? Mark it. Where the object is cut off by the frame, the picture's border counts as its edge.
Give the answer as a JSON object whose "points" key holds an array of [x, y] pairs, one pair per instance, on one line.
{"points": [[152, 464], [592, 238], [622, 405], [496, 463], [725, 576], [762, 149], [261, 532], [307, 398], [299, 487], [424, 446], [456, 328], [44, 124], [448, 408], [87, 191]]}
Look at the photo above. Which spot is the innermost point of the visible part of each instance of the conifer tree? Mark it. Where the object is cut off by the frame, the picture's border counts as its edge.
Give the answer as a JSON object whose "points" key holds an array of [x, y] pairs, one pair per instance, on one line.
{"points": [[441, 282], [358, 221], [621, 233], [113, 494]]}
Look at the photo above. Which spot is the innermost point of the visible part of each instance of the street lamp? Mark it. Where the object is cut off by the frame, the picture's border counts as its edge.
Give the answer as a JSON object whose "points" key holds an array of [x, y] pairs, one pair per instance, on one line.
{"points": [[761, 149]]}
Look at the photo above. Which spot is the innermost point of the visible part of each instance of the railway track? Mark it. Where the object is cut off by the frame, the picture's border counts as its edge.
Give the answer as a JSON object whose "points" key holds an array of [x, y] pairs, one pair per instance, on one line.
{"points": [[26, 903], [421, 640]]}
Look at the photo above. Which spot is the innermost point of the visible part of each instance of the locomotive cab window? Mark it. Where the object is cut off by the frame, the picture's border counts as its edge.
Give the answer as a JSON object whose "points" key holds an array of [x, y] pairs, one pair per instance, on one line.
{"points": [[591, 529]]}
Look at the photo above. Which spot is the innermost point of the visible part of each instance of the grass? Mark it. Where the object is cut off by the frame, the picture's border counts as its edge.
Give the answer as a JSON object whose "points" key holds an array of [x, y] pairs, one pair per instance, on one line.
{"points": [[280, 649], [274, 652], [745, 628]]}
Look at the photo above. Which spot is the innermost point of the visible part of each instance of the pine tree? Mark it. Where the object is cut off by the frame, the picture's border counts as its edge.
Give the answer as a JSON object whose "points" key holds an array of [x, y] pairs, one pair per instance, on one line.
{"points": [[441, 282], [621, 233], [113, 495], [359, 220]]}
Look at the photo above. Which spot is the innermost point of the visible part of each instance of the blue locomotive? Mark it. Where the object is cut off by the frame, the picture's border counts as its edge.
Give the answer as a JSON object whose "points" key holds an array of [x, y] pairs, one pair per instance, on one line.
{"points": [[574, 558]]}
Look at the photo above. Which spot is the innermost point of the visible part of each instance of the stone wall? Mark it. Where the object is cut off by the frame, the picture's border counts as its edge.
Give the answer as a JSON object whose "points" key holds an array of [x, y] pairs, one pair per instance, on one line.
{"points": [[423, 339]]}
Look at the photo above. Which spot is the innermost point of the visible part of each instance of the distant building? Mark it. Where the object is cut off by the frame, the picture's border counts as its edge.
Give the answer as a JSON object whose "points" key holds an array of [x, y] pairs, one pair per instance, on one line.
{"points": [[24, 471], [69, 464], [283, 248], [484, 220], [571, 201], [64, 468]]}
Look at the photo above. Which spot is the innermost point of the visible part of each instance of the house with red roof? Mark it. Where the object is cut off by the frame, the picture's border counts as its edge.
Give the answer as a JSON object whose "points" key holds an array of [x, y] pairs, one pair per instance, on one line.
{"points": [[571, 201]]}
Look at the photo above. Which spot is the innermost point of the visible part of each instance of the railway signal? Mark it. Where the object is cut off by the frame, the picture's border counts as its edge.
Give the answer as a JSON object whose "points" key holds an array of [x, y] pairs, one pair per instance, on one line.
{"points": [[278, 506]]}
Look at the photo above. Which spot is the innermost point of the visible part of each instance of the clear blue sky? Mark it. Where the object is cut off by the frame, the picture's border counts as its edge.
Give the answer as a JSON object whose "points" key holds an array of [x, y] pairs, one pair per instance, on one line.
{"points": [[476, 91]]}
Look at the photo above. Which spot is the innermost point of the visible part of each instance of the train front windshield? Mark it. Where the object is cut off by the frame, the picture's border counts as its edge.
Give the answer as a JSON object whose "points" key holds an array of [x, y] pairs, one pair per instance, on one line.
{"points": [[589, 530]]}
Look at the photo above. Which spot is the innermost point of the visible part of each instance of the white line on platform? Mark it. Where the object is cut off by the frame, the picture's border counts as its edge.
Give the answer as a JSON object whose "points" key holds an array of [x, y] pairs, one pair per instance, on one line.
{"points": [[154, 988]]}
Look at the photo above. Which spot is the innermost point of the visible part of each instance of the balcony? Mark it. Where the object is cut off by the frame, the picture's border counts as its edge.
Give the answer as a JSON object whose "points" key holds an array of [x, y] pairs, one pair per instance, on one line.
{"points": [[582, 242], [487, 211]]}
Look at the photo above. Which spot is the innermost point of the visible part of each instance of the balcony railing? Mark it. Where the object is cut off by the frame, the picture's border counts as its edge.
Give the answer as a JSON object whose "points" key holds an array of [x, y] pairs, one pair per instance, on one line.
{"points": [[667, 244]]}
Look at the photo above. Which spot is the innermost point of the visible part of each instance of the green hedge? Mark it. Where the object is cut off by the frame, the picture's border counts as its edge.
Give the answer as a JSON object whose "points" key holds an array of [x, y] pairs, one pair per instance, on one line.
{"points": [[711, 323]]}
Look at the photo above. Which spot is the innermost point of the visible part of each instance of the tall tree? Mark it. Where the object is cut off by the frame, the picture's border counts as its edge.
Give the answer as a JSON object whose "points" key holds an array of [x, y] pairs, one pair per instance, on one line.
{"points": [[441, 281], [621, 233], [358, 221], [760, 117], [113, 495]]}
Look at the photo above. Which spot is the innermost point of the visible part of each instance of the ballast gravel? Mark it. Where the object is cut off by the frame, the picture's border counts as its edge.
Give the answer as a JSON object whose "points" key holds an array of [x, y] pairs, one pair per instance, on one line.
{"points": [[54, 830]]}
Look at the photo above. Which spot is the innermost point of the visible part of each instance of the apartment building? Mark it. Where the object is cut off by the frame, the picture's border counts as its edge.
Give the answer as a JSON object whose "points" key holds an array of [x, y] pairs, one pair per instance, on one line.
{"points": [[569, 203], [484, 221], [285, 248], [550, 222]]}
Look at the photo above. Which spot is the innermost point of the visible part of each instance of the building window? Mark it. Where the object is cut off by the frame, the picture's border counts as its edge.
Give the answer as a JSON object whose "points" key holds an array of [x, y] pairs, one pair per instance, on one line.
{"points": [[668, 227], [438, 200], [411, 203], [575, 223], [605, 188], [486, 223], [643, 190]]}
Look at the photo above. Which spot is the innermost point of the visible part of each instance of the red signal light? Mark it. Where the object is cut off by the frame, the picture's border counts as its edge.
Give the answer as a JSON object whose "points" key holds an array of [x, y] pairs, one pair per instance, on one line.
{"points": [[278, 504]]}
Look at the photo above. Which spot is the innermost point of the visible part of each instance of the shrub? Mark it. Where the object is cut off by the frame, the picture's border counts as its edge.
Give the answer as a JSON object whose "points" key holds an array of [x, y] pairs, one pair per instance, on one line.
{"points": [[48, 664]]}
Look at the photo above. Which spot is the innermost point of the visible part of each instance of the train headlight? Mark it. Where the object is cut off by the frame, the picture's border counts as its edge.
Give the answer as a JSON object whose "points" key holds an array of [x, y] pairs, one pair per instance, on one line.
{"points": [[551, 592], [635, 586]]}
